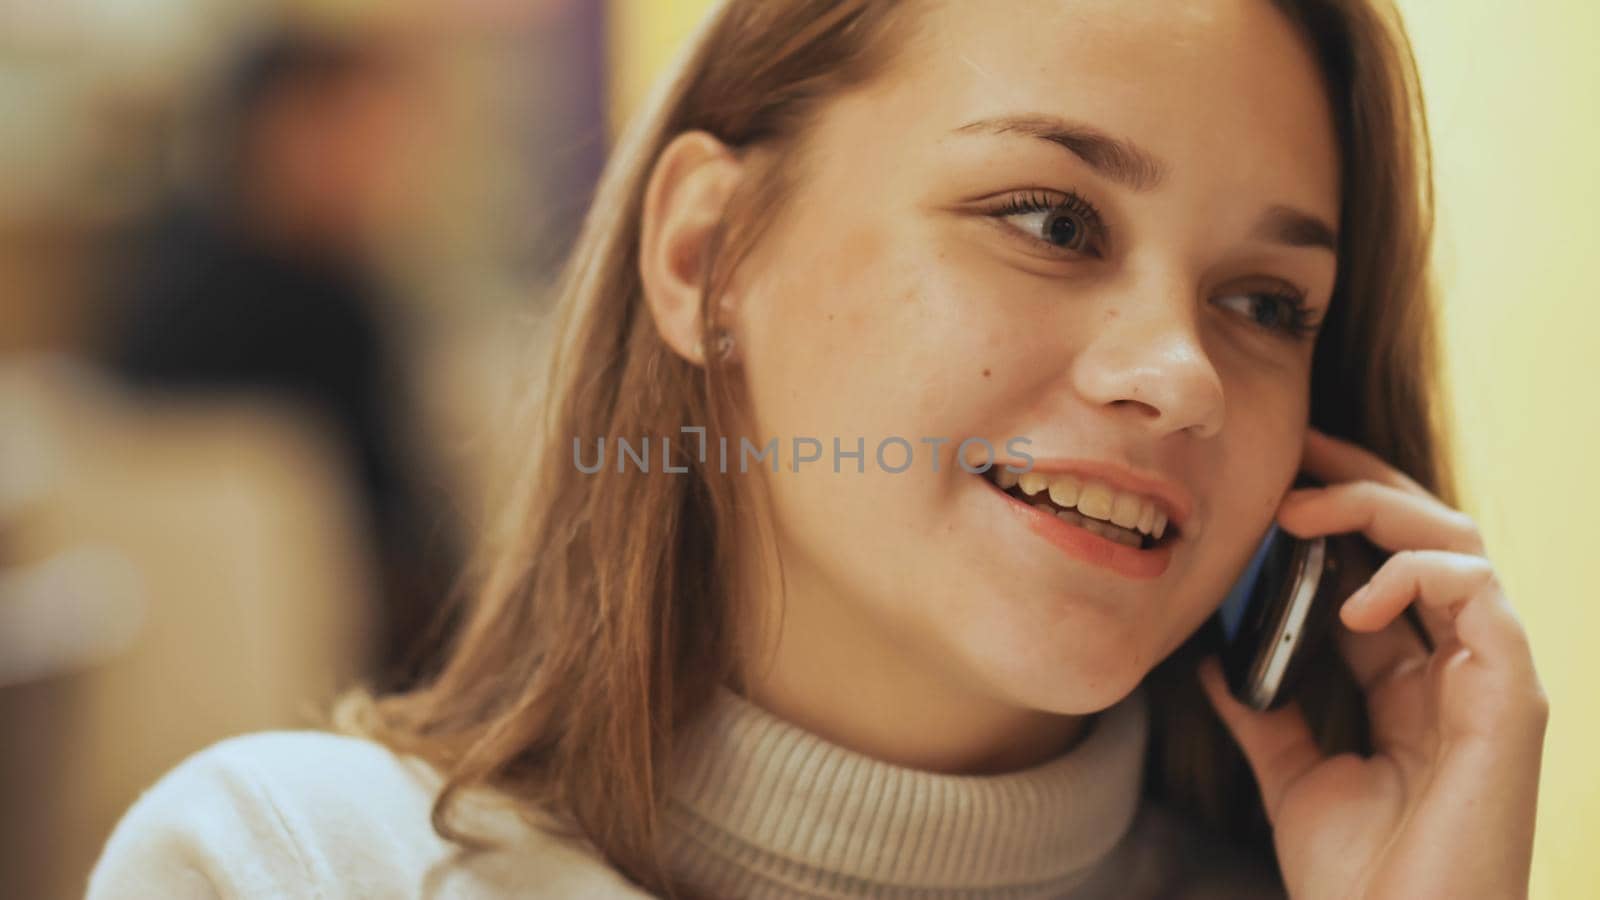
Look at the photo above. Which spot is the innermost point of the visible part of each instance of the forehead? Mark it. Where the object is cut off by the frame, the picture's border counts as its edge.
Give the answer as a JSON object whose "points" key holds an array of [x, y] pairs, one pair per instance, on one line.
{"points": [[1225, 92]]}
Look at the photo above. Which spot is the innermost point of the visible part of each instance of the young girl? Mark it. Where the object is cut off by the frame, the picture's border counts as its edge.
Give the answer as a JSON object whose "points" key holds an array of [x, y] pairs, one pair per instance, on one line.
{"points": [[764, 623]]}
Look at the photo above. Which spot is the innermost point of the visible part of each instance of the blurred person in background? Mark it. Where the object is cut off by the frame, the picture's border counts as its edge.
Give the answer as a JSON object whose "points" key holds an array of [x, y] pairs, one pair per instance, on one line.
{"points": [[260, 277]]}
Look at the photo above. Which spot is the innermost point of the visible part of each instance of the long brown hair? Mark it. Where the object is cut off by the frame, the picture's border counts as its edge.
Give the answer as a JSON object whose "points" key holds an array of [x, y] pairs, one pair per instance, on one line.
{"points": [[602, 620]]}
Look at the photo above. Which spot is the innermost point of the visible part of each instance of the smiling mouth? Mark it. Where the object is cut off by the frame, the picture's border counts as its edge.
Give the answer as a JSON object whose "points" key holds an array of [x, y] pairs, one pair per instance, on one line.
{"points": [[1089, 505]]}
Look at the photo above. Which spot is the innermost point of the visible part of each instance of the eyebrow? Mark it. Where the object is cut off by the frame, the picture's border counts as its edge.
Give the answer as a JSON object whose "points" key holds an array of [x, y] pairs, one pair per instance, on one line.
{"points": [[1112, 157], [1295, 228], [1137, 169]]}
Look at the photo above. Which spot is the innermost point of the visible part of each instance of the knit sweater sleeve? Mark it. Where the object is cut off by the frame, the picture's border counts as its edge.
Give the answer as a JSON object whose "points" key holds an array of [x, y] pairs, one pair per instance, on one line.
{"points": [[310, 814]]}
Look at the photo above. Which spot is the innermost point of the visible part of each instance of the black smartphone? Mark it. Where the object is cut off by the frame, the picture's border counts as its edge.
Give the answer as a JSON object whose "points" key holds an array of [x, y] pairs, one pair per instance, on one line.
{"points": [[1285, 606]]}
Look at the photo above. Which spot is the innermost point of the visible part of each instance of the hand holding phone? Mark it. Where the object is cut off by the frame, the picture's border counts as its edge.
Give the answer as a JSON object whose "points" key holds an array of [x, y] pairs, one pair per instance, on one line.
{"points": [[1448, 767], [1286, 604]]}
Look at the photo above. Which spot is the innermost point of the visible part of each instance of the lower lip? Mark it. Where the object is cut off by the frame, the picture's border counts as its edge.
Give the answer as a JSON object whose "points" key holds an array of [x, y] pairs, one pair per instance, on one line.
{"points": [[1080, 543]]}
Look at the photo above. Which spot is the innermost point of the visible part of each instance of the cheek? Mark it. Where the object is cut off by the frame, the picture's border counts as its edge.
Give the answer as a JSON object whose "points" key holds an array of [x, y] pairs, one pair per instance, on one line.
{"points": [[866, 336], [869, 338], [1255, 464], [1262, 442]]}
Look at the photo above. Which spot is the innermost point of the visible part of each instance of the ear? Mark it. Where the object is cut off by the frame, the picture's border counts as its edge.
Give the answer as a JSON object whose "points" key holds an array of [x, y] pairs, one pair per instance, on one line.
{"points": [[689, 189]]}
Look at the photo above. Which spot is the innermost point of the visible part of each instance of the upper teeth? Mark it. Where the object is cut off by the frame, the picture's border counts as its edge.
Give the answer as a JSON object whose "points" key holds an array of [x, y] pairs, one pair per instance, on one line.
{"points": [[1091, 498]]}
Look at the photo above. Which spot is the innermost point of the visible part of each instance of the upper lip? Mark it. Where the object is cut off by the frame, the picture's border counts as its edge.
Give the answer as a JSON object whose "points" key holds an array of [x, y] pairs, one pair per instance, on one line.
{"points": [[1171, 495]]}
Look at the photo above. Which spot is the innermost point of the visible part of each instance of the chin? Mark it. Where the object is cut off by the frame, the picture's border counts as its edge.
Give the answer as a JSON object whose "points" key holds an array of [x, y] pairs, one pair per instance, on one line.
{"points": [[1072, 681]]}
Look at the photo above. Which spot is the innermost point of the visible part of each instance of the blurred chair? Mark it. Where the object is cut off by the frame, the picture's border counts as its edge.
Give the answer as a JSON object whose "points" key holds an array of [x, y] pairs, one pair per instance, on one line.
{"points": [[170, 575]]}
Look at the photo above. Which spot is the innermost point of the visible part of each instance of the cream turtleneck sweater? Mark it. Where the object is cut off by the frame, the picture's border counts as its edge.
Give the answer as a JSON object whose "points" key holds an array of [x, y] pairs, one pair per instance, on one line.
{"points": [[760, 809]]}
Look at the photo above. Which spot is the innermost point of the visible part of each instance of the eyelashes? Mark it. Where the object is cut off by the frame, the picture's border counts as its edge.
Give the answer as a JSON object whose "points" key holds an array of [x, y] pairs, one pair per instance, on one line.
{"points": [[1066, 223], [1068, 217], [1293, 316]]}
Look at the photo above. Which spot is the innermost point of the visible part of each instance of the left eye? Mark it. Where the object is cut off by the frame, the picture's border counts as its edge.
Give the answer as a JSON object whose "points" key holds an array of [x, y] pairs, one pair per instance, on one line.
{"points": [[1273, 310]]}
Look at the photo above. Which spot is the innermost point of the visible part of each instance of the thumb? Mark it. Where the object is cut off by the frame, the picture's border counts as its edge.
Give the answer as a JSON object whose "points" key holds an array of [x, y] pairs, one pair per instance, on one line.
{"points": [[1278, 743]]}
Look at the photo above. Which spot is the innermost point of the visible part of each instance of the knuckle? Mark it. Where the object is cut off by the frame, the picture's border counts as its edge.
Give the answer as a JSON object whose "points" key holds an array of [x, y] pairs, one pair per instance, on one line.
{"points": [[1482, 573], [1365, 489], [1539, 701], [1466, 531], [1406, 559], [1533, 710]]}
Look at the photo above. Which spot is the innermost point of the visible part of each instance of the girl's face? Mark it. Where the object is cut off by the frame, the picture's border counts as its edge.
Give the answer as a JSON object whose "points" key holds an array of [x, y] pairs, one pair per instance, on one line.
{"points": [[1084, 224]]}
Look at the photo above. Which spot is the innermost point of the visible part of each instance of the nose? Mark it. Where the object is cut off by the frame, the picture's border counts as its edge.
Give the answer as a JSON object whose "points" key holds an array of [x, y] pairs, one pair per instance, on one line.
{"points": [[1146, 361]]}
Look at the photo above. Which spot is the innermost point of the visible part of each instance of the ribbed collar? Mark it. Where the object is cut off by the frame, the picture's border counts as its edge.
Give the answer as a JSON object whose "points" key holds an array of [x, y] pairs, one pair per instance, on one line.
{"points": [[760, 799]]}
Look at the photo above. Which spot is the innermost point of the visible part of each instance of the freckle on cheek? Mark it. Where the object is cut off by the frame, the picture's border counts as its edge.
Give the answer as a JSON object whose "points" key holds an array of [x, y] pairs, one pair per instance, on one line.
{"points": [[986, 373]]}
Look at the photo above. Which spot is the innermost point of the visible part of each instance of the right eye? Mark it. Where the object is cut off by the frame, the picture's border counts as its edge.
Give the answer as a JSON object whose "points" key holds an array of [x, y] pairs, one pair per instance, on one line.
{"points": [[1060, 221]]}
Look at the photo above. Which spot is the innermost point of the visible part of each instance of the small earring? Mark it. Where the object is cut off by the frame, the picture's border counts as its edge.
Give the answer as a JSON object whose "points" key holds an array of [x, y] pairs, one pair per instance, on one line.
{"points": [[724, 343]]}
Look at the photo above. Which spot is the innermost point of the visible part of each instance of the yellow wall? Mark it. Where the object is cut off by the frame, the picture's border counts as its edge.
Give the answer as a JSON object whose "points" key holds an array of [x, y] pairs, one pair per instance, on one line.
{"points": [[1512, 92], [644, 35], [1512, 89]]}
